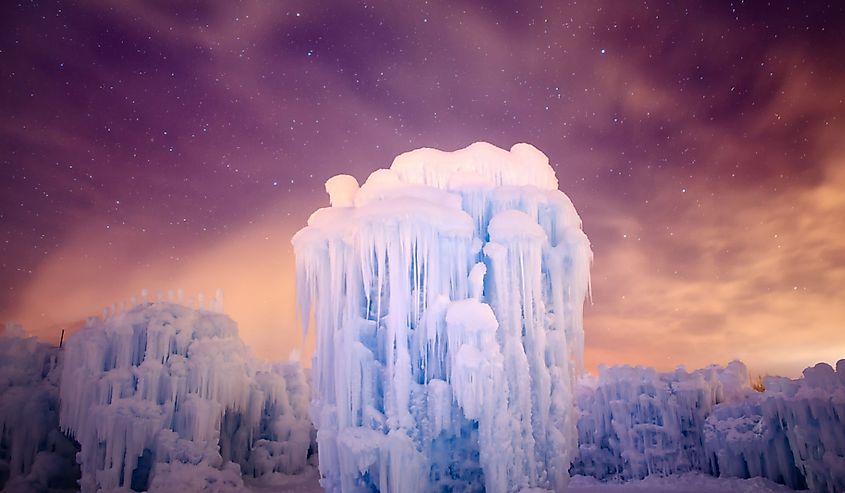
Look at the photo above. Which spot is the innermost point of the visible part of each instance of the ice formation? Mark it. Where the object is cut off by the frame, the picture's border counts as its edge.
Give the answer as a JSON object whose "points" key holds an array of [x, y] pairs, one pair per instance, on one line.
{"points": [[163, 397], [793, 433], [34, 455], [447, 293], [636, 422]]}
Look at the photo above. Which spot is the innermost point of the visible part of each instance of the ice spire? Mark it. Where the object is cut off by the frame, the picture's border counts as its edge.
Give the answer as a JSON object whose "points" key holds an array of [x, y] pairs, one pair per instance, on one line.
{"points": [[447, 293]]}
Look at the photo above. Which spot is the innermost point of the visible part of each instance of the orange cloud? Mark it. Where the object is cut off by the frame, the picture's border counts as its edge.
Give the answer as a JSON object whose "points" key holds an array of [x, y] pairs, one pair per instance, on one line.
{"points": [[754, 273], [253, 265]]}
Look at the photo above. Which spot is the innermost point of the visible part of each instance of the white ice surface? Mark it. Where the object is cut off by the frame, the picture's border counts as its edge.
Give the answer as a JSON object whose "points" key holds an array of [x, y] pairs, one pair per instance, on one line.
{"points": [[447, 293], [167, 398], [692, 482], [637, 422]]}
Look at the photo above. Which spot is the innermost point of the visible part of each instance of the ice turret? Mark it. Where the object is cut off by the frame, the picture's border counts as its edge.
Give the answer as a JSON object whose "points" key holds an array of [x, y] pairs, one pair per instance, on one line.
{"points": [[447, 293]]}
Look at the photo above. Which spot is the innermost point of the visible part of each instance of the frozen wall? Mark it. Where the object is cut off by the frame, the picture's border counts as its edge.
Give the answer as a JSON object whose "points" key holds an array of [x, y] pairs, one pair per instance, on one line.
{"points": [[447, 293], [34, 455], [164, 398], [793, 433], [636, 422]]}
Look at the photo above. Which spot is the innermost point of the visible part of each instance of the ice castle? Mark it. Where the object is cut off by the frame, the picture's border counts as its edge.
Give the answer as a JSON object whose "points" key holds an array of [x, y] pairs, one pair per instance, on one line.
{"points": [[447, 293]]}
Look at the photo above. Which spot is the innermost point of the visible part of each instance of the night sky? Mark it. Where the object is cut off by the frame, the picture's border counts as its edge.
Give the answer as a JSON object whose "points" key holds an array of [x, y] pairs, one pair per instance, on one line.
{"points": [[177, 144]]}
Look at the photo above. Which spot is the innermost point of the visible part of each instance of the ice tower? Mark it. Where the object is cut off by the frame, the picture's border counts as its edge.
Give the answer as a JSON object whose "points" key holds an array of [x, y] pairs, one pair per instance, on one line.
{"points": [[447, 293]]}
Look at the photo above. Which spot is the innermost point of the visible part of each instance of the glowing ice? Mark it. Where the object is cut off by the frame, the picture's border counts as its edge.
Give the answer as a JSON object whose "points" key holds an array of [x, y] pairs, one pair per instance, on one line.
{"points": [[447, 293], [34, 455], [636, 422], [167, 398]]}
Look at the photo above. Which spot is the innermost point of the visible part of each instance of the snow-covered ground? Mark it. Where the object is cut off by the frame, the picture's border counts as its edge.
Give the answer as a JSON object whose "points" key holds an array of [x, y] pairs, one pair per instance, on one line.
{"points": [[692, 482], [682, 483]]}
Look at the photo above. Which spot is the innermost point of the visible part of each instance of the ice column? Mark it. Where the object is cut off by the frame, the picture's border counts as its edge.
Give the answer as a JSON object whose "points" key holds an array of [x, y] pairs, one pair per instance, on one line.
{"points": [[447, 293]]}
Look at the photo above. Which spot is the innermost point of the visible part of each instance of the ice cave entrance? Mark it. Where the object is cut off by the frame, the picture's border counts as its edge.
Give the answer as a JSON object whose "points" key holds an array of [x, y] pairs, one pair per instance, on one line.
{"points": [[448, 293]]}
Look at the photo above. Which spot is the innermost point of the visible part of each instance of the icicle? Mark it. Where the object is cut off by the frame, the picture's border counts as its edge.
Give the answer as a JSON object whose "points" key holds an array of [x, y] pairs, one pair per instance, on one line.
{"points": [[218, 300], [177, 386], [440, 287]]}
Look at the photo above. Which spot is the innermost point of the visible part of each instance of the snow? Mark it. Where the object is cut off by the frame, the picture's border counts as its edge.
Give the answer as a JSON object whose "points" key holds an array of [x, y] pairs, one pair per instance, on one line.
{"points": [[477, 164], [512, 225], [307, 481], [682, 483], [447, 293], [690, 482], [167, 398], [636, 422], [342, 190]]}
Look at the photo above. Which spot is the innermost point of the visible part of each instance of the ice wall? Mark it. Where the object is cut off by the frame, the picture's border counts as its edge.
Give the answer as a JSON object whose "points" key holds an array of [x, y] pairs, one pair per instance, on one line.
{"points": [[635, 422], [793, 433], [164, 397], [447, 293], [34, 455]]}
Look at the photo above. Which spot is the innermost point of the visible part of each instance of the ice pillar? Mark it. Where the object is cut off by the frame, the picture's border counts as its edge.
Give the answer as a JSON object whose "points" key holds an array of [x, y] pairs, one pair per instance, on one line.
{"points": [[447, 293]]}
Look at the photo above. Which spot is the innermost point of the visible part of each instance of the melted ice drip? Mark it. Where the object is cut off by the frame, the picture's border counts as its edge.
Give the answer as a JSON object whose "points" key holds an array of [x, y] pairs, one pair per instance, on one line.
{"points": [[447, 293]]}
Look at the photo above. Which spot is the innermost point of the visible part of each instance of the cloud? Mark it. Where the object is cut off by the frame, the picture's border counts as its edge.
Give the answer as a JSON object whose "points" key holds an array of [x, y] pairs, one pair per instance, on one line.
{"points": [[253, 265], [734, 269]]}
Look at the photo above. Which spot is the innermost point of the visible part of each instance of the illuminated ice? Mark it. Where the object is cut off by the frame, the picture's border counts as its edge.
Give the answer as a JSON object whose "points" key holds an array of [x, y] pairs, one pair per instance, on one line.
{"points": [[167, 398], [636, 422], [34, 455], [447, 293]]}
